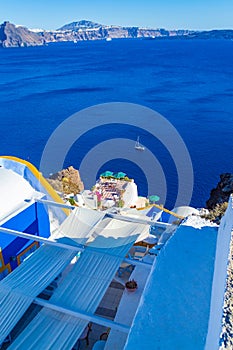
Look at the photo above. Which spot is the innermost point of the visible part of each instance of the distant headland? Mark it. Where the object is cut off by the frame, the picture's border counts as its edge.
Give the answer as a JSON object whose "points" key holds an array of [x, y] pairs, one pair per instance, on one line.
{"points": [[12, 35]]}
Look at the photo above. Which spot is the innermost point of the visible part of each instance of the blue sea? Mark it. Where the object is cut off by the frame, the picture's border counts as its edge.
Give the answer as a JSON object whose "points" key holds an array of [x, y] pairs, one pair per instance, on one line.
{"points": [[189, 82]]}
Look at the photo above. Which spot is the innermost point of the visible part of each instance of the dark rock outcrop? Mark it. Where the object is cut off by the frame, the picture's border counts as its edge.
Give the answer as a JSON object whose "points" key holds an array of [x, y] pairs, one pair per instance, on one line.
{"points": [[222, 192], [16, 36], [214, 34]]}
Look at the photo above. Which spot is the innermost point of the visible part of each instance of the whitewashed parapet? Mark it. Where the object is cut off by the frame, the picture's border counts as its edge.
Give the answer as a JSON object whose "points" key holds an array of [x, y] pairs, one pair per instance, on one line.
{"points": [[217, 328]]}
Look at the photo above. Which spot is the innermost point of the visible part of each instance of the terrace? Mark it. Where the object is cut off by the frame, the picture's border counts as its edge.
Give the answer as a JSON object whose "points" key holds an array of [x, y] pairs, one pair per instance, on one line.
{"points": [[113, 305], [111, 294], [92, 287], [78, 275], [115, 190]]}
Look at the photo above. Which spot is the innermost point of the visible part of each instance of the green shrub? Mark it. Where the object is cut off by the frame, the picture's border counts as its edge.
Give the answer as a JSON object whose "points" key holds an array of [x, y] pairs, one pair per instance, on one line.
{"points": [[72, 201], [121, 203], [127, 179]]}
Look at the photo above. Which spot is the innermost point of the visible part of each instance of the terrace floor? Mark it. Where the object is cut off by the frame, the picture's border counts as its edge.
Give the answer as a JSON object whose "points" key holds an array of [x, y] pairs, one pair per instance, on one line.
{"points": [[107, 309]]}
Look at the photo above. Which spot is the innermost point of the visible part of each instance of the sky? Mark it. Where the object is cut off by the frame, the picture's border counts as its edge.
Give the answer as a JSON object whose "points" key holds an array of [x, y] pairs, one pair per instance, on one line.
{"points": [[169, 14]]}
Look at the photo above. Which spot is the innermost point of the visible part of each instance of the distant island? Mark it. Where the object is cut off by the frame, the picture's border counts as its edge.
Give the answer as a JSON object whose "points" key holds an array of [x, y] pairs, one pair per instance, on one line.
{"points": [[12, 35]]}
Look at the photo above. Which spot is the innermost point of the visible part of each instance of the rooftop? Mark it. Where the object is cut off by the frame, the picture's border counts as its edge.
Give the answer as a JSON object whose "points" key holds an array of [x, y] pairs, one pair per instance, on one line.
{"points": [[14, 191]]}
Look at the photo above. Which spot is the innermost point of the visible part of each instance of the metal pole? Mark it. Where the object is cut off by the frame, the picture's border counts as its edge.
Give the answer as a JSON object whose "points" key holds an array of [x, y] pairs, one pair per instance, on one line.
{"points": [[41, 239], [138, 221], [113, 216], [83, 315], [54, 204]]}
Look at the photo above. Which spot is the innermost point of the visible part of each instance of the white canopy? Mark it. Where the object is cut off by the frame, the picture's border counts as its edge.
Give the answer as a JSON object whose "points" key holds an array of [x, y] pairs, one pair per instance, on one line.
{"points": [[107, 242], [78, 225], [82, 225], [19, 288], [82, 289]]}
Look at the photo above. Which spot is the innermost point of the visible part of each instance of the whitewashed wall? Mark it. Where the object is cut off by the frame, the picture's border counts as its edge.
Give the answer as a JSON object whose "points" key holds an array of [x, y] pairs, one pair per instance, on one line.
{"points": [[219, 279]]}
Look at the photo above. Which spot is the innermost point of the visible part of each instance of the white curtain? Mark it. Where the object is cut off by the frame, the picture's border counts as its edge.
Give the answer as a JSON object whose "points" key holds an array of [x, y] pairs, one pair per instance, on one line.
{"points": [[79, 224], [19, 288], [82, 289], [84, 225]]}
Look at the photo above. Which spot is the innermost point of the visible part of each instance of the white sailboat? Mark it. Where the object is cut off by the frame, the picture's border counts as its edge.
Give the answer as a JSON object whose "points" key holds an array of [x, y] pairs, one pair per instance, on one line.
{"points": [[138, 146]]}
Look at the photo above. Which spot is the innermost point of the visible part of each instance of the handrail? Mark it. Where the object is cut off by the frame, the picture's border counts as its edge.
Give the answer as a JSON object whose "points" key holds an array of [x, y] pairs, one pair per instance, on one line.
{"points": [[168, 211], [163, 209]]}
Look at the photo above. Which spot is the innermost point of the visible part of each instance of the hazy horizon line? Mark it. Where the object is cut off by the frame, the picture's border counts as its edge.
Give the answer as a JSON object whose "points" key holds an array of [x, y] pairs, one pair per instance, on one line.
{"points": [[118, 25]]}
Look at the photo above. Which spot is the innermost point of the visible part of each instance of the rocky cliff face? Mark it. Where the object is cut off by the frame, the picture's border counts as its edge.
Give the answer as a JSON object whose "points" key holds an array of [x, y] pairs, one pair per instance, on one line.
{"points": [[222, 192], [104, 32], [66, 181], [13, 36], [74, 32]]}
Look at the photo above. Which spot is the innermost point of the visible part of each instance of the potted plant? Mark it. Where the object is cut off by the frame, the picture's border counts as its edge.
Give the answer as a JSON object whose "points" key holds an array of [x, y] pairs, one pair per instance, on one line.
{"points": [[131, 285]]}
